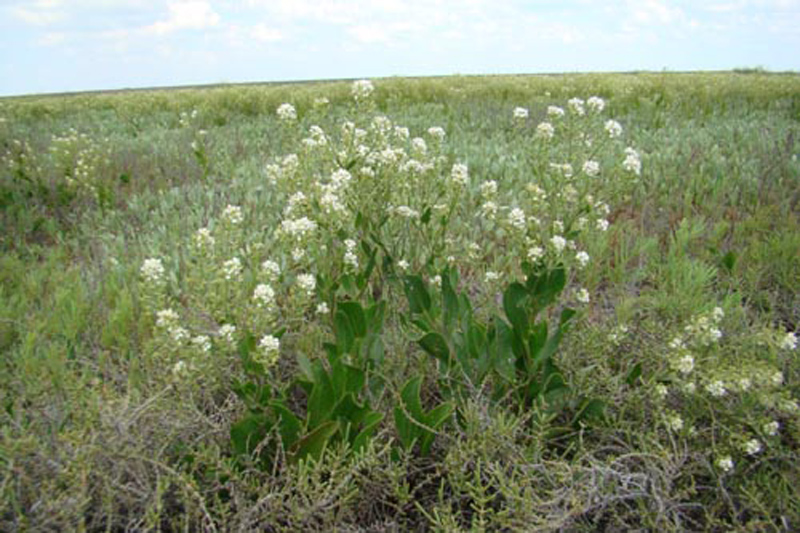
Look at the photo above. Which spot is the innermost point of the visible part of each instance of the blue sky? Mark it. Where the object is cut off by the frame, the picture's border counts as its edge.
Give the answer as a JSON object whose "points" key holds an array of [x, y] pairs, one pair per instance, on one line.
{"points": [[71, 45]]}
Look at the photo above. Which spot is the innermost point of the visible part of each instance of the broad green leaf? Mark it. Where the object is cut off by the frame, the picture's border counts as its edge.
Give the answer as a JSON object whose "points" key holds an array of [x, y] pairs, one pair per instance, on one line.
{"points": [[314, 443], [369, 425], [449, 302], [634, 374], [514, 306], [356, 316], [247, 433], [590, 411], [375, 315], [289, 425], [322, 400], [435, 345], [419, 300], [345, 337]]}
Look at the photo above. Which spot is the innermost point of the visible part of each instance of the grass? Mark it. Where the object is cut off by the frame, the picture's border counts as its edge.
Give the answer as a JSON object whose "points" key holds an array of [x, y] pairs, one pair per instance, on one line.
{"points": [[415, 402]]}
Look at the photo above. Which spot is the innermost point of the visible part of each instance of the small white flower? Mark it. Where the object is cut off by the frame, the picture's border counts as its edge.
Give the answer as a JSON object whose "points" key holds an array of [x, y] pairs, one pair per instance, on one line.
{"points": [[419, 146], [460, 174], [323, 309], [583, 296], [436, 281], [227, 332], [516, 218], [178, 334], [233, 215], [286, 112], [203, 239], [596, 104], [545, 130], [491, 277], [535, 253], [777, 378], [232, 269], [558, 242], [752, 447], [745, 384], [351, 259], [685, 364], [661, 390], [489, 189], [202, 342], [298, 254], [771, 428], [717, 314], [403, 265], [716, 389], [725, 463], [520, 113], [167, 318], [437, 133], [268, 350], [789, 341], [582, 258], [576, 106], [555, 111], [362, 90], [602, 224], [406, 212], [613, 128], [489, 210], [675, 422], [264, 296], [591, 168], [321, 101], [271, 269], [152, 271], [307, 282], [633, 162]]}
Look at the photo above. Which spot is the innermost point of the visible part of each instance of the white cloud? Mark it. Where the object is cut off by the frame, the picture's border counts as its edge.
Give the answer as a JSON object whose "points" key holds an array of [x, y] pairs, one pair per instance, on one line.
{"points": [[39, 12], [186, 15], [262, 32]]}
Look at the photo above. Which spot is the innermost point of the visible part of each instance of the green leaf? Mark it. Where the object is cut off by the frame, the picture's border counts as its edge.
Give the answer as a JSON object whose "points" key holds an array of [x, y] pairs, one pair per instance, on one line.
{"points": [[449, 302], [590, 411], [502, 351], [322, 400], [345, 337], [247, 433], [728, 261], [434, 419], [435, 345], [634, 374], [513, 305], [426, 216], [375, 314], [356, 316], [289, 425], [369, 425], [304, 364], [314, 443], [419, 300]]}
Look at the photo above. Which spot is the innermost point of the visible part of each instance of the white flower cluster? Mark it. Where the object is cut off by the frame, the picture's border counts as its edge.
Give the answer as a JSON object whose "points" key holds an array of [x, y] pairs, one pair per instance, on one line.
{"points": [[233, 215], [286, 113], [437, 133], [271, 269], [232, 269], [350, 257], [516, 219], [203, 240], [264, 296], [152, 271], [596, 104], [460, 174], [227, 332], [298, 229], [520, 113], [362, 90], [632, 162], [704, 330], [789, 341], [591, 168], [284, 169], [545, 130], [169, 321], [316, 138], [576, 106], [613, 128], [555, 111], [268, 351], [307, 283]]}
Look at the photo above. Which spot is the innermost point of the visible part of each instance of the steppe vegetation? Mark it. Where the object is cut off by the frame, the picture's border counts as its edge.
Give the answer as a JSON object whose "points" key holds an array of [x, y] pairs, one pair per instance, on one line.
{"points": [[469, 303]]}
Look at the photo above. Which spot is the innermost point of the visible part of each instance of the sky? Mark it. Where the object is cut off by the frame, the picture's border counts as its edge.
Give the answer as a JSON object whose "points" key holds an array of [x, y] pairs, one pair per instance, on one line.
{"points": [[74, 45]]}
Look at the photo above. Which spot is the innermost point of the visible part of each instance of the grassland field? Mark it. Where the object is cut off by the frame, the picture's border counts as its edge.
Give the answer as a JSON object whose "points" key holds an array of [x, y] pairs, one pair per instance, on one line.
{"points": [[480, 303]]}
